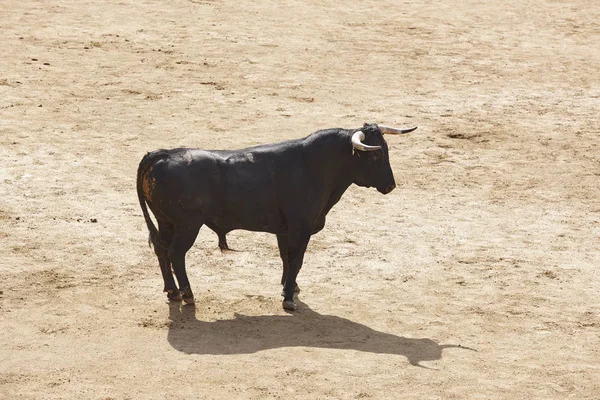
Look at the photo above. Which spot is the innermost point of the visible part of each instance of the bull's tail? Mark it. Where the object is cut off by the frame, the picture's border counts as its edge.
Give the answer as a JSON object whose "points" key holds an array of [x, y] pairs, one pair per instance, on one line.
{"points": [[142, 169]]}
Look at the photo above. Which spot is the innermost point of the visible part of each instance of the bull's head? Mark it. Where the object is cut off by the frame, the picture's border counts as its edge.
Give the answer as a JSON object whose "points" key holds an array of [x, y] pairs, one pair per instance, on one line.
{"points": [[373, 158]]}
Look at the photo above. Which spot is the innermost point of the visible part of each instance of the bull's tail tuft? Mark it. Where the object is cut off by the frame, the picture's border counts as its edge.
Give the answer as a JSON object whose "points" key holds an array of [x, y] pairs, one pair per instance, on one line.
{"points": [[142, 170]]}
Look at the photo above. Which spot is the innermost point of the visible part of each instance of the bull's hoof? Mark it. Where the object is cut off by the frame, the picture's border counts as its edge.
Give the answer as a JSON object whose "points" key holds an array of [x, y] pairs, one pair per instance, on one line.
{"points": [[187, 295], [289, 305], [173, 295]]}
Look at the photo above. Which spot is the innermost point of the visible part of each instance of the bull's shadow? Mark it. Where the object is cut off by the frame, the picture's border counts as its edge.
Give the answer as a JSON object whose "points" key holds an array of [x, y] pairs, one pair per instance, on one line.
{"points": [[305, 328]]}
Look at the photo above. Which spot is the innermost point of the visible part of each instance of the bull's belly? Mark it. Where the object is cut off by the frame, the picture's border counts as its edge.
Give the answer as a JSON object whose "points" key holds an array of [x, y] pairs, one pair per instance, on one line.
{"points": [[247, 219], [270, 223], [221, 226]]}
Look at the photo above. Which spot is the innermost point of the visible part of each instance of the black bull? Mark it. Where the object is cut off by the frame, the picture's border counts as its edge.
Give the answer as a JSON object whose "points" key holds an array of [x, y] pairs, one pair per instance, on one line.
{"points": [[284, 188]]}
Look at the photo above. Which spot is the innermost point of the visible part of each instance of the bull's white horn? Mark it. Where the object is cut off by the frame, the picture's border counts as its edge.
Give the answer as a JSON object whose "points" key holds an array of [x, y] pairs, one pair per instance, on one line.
{"points": [[357, 138], [394, 131]]}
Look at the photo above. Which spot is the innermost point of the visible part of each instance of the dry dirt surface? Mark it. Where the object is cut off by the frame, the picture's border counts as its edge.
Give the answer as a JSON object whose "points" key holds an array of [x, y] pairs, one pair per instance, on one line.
{"points": [[476, 278]]}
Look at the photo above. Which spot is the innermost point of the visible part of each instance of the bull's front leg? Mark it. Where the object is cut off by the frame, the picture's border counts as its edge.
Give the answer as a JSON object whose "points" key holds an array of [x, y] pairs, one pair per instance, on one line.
{"points": [[297, 242], [282, 243]]}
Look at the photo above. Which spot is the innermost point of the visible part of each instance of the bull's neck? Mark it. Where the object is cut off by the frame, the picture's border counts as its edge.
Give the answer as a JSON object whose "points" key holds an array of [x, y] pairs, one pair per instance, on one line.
{"points": [[329, 160]]}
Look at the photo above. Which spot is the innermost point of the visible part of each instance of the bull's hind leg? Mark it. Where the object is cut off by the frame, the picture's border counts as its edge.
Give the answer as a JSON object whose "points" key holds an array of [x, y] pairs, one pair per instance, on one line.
{"points": [[165, 232], [183, 239]]}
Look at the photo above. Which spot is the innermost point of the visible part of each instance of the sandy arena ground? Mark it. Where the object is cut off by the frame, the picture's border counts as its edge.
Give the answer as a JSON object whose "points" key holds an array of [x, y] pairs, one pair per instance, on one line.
{"points": [[476, 278]]}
